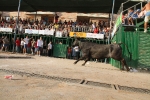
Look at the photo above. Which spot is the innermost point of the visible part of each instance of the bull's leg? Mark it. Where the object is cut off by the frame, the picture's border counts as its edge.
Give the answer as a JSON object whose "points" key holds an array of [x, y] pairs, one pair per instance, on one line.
{"points": [[87, 59], [81, 58], [122, 65], [125, 64]]}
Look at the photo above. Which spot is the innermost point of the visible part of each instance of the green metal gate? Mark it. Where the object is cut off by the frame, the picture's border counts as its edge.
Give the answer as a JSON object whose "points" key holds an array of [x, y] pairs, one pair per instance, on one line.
{"points": [[139, 46]]}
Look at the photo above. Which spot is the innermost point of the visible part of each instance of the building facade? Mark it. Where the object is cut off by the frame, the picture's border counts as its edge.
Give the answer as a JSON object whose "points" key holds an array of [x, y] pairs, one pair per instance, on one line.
{"points": [[62, 16]]}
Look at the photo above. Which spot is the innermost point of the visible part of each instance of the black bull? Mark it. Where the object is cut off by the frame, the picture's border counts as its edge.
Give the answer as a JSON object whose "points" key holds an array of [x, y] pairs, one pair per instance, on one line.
{"points": [[100, 51]]}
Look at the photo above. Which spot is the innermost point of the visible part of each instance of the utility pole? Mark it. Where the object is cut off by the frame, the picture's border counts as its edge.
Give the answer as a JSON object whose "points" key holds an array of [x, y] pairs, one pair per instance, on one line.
{"points": [[17, 26]]}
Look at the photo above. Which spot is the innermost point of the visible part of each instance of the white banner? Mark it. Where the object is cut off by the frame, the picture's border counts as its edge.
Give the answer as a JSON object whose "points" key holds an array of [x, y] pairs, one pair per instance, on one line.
{"points": [[41, 31], [92, 35], [44, 32], [29, 31], [5, 29], [35, 31], [49, 32], [58, 34]]}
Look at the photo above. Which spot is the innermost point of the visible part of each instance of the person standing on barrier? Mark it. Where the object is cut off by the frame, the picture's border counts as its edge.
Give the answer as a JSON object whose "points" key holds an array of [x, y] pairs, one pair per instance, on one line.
{"points": [[147, 15], [40, 46]]}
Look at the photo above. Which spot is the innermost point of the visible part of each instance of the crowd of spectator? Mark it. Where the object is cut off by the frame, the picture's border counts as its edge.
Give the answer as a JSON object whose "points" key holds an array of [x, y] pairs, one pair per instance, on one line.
{"points": [[35, 47], [101, 27], [129, 17], [41, 47], [26, 46]]}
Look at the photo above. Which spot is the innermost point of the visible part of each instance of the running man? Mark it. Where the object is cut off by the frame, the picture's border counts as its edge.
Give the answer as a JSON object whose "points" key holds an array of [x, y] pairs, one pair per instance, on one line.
{"points": [[147, 15]]}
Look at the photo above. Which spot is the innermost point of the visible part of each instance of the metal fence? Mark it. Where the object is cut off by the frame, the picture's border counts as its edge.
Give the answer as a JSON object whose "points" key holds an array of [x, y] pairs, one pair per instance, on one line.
{"points": [[138, 43], [59, 50]]}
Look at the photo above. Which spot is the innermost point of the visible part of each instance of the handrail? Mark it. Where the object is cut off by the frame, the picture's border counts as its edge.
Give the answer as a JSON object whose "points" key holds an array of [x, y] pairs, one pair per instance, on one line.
{"points": [[120, 11], [133, 6], [121, 7], [126, 2]]}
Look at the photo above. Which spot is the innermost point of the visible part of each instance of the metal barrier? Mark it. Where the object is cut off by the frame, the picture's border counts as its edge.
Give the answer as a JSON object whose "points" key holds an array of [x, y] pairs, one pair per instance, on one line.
{"points": [[138, 43], [60, 44]]}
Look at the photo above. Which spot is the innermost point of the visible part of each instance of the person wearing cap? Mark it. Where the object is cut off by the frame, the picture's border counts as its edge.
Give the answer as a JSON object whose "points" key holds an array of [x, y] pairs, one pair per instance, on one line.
{"points": [[134, 16], [147, 15]]}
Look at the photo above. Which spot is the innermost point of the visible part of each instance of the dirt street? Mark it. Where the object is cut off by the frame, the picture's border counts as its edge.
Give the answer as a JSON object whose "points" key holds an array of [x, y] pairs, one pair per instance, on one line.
{"points": [[22, 87]]}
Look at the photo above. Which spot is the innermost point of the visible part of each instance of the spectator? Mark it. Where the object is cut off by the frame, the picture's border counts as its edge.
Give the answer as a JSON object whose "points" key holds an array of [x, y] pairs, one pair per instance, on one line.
{"points": [[40, 46], [29, 46], [56, 18], [134, 16], [18, 45], [77, 53], [50, 49], [12, 44], [96, 30], [69, 53], [35, 46], [1, 42], [142, 14], [130, 13], [32, 46], [45, 48], [101, 32], [65, 28], [26, 40], [60, 42], [22, 45], [5, 44], [147, 15]]}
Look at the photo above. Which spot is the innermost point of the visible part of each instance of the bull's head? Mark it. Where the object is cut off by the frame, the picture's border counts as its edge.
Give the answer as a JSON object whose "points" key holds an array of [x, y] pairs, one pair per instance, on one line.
{"points": [[76, 43]]}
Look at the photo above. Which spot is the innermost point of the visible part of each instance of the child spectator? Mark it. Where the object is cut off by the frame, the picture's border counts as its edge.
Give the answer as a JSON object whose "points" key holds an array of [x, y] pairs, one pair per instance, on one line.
{"points": [[22, 44], [96, 30], [69, 53], [32, 46], [18, 45], [44, 48]]}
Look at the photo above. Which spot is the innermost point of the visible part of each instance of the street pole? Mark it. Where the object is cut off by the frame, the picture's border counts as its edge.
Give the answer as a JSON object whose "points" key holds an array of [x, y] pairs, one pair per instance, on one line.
{"points": [[110, 25], [111, 21], [35, 16], [17, 26]]}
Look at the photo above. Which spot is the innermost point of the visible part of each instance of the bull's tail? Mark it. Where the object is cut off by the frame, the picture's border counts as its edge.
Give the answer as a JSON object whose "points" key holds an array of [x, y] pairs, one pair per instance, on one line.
{"points": [[127, 49]]}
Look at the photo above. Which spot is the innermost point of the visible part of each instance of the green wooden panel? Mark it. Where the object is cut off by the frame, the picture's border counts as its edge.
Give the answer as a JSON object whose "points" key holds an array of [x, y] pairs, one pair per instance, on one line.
{"points": [[131, 40], [144, 50], [60, 50]]}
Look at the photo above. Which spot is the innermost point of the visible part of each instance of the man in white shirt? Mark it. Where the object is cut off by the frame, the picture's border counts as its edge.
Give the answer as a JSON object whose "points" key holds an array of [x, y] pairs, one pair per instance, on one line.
{"points": [[26, 40], [49, 48], [77, 53], [40, 46]]}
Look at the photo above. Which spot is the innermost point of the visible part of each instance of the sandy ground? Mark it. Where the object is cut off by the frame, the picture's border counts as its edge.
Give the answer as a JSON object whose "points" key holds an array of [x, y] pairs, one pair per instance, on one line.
{"points": [[31, 88]]}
